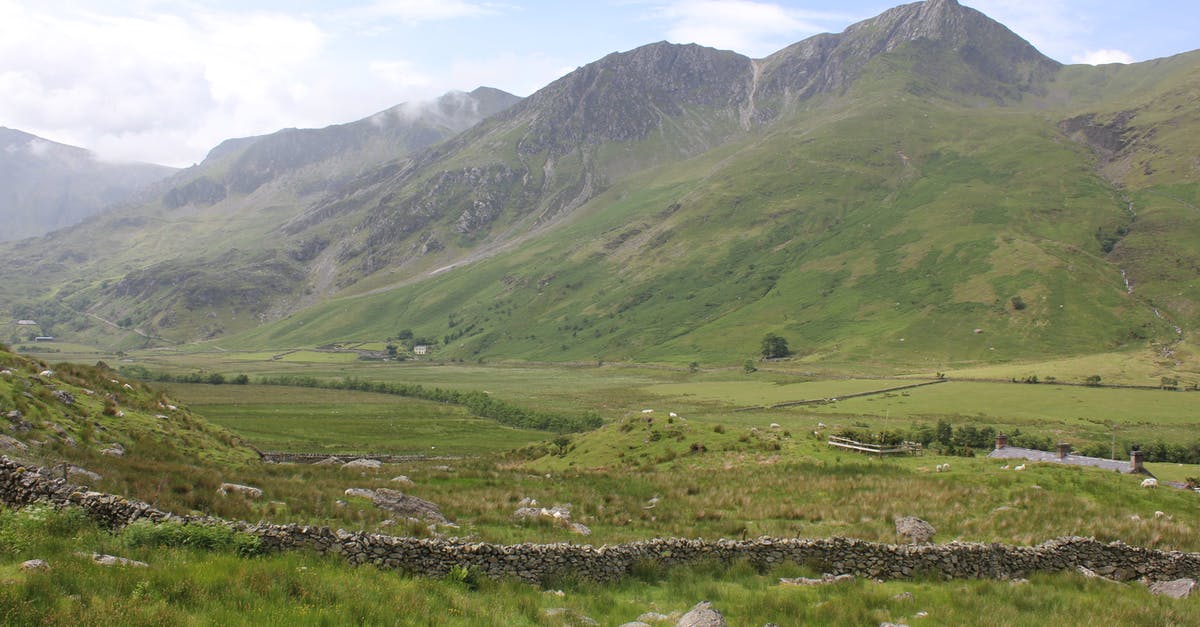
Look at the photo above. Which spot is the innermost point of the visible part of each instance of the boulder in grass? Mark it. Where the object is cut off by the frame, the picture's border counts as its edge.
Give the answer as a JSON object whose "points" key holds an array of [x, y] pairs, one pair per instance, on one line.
{"points": [[703, 614], [113, 560], [408, 506], [1176, 589], [35, 565], [365, 464], [914, 529], [236, 488]]}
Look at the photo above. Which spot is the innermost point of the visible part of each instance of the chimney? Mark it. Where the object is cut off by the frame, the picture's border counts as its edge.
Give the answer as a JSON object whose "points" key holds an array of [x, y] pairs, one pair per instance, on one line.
{"points": [[1064, 449], [1135, 461], [1001, 441]]}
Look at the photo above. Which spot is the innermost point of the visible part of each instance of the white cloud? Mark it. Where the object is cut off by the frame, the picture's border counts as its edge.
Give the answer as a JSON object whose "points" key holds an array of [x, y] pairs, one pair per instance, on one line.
{"points": [[1101, 57], [126, 84], [753, 28], [414, 11], [399, 73]]}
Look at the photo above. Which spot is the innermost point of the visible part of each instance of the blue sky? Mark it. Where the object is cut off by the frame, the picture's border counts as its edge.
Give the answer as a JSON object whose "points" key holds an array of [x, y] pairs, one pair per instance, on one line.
{"points": [[166, 80]]}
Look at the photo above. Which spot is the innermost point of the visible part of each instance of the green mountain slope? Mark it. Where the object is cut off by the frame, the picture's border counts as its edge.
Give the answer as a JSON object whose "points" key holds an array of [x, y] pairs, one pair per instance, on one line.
{"points": [[922, 189]]}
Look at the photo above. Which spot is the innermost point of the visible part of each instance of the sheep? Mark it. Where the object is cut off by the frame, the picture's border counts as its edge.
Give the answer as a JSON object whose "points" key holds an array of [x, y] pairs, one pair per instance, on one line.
{"points": [[1021, 467], [1150, 482], [128, 387], [672, 414], [6, 372], [46, 373], [1159, 514], [774, 425], [946, 467], [821, 425], [1004, 467], [939, 468], [647, 411]]}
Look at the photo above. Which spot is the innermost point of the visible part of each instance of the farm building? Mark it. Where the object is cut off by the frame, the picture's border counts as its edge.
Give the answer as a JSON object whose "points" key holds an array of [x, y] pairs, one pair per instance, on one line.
{"points": [[1064, 456], [421, 349]]}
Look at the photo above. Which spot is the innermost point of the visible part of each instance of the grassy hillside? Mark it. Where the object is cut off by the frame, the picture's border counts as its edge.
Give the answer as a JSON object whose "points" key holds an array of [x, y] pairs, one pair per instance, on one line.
{"points": [[73, 412], [885, 231]]}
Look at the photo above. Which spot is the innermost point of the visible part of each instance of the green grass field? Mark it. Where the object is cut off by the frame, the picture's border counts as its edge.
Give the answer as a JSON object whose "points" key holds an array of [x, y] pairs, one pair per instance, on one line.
{"points": [[334, 421]]}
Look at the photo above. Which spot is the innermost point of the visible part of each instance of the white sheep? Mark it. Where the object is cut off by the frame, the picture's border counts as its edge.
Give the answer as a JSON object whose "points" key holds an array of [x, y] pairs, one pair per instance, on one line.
{"points": [[46, 373], [128, 387], [1021, 467], [647, 411], [774, 425], [1149, 482], [820, 425], [1004, 467], [946, 467], [6, 372], [673, 415], [939, 468], [1159, 514]]}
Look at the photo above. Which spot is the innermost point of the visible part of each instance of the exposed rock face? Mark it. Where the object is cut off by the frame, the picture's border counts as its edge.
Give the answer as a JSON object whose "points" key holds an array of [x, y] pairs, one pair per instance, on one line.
{"points": [[113, 450], [703, 614], [35, 564], [914, 529]]}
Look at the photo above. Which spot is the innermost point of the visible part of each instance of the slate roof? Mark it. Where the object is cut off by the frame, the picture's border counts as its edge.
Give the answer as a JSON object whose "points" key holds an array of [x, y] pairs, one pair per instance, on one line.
{"points": [[1016, 452]]}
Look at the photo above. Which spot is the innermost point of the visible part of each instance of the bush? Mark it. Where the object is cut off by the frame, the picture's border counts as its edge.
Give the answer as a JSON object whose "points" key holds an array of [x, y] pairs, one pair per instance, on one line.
{"points": [[143, 533]]}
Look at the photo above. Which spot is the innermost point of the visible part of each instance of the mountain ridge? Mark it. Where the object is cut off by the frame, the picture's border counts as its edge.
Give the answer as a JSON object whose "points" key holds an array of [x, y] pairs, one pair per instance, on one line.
{"points": [[669, 163]]}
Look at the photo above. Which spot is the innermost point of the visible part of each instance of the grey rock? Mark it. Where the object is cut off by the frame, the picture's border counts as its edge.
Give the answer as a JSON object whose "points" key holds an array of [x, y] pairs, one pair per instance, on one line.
{"points": [[914, 529], [12, 444], [703, 614], [655, 617], [236, 488], [35, 564], [76, 471], [113, 560], [66, 398], [406, 505], [366, 464], [1176, 589], [328, 461]]}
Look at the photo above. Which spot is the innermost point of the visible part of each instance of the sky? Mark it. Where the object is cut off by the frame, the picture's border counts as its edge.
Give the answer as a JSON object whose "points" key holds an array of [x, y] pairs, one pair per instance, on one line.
{"points": [[164, 81]]}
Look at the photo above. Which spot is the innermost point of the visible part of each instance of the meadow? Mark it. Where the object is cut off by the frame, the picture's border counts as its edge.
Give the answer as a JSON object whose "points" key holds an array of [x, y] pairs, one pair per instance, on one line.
{"points": [[711, 471], [306, 420]]}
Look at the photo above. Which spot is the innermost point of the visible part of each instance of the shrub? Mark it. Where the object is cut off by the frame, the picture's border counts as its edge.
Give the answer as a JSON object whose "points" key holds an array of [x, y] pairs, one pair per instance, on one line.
{"points": [[143, 533]]}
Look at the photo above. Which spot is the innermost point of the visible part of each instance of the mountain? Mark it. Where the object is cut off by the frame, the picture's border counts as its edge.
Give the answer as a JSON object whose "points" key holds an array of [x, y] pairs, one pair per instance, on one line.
{"points": [[204, 251], [46, 185], [921, 189]]}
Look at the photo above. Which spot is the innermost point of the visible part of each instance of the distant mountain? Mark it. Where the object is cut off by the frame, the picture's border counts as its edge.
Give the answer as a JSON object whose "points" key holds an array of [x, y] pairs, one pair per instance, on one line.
{"points": [[924, 188], [206, 240], [46, 185]]}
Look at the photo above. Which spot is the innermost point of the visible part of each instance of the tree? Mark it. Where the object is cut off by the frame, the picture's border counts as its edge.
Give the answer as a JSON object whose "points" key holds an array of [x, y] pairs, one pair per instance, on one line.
{"points": [[241, 379], [774, 346], [694, 366], [1093, 380], [749, 366]]}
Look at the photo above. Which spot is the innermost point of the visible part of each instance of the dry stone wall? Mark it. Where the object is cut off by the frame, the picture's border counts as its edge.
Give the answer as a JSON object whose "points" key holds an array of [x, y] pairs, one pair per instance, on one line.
{"points": [[538, 563]]}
